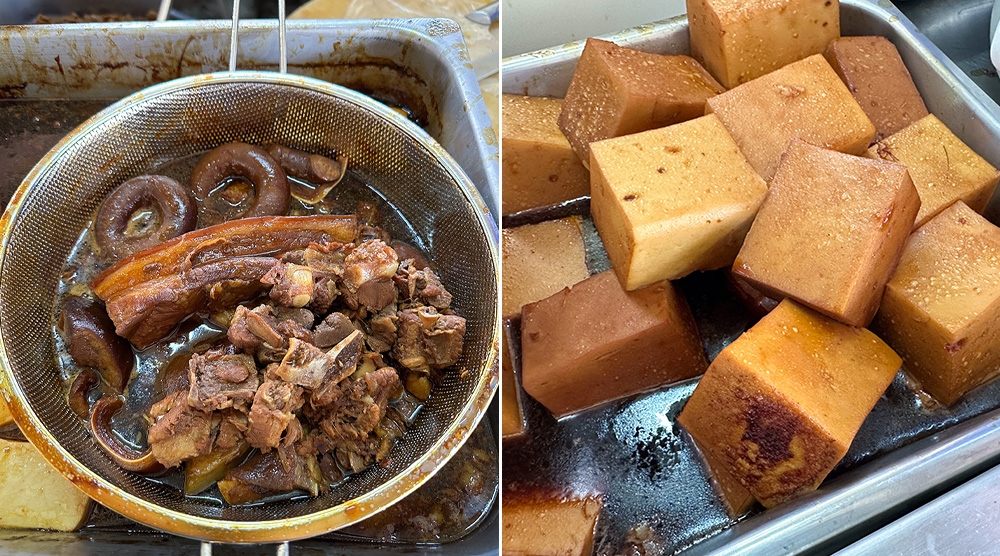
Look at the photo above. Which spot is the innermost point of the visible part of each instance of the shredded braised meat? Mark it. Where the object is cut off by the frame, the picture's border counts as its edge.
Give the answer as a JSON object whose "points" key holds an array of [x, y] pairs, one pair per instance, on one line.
{"points": [[307, 377]]}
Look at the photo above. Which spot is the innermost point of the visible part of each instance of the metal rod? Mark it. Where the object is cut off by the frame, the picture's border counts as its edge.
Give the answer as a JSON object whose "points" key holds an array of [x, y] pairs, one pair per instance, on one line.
{"points": [[234, 35], [487, 15], [283, 62], [206, 548], [283, 547], [164, 12]]}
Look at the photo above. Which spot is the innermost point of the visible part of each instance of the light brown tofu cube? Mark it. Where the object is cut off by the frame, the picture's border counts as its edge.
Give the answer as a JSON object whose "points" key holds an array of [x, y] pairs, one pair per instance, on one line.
{"points": [[556, 526], [739, 40], [6, 418], [780, 406], [539, 260], [830, 232], [737, 499], [617, 91], [34, 494], [804, 100], [943, 168], [539, 168], [595, 342], [512, 418], [941, 310], [671, 201], [876, 76]]}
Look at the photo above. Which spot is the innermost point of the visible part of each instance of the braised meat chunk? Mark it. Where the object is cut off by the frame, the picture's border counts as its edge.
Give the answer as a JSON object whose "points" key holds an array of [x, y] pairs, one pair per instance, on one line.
{"points": [[219, 381], [272, 410], [179, 431], [428, 339]]}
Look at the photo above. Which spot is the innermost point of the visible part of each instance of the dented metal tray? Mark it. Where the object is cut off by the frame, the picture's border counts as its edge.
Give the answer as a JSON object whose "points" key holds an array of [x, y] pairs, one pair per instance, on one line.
{"points": [[633, 454]]}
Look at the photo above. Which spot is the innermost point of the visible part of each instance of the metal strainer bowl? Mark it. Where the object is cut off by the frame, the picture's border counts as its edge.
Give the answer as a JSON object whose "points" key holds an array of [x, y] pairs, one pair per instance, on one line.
{"points": [[187, 116]]}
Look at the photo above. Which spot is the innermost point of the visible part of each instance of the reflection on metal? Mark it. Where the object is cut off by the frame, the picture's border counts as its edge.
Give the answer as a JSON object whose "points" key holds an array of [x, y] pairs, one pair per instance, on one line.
{"points": [[164, 11]]}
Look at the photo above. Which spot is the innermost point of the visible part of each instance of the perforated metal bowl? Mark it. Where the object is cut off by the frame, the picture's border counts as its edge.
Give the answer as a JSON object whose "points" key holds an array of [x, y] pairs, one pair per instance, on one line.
{"points": [[188, 116]]}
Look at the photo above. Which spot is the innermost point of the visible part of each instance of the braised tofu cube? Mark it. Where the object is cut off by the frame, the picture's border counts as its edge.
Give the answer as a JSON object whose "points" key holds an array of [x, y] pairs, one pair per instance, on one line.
{"points": [[595, 342], [941, 310], [830, 232], [737, 499], [943, 168], [539, 168], [779, 407], [876, 76], [617, 91], [512, 418], [741, 40], [804, 100], [671, 201], [549, 526], [34, 494], [541, 259], [5, 417]]}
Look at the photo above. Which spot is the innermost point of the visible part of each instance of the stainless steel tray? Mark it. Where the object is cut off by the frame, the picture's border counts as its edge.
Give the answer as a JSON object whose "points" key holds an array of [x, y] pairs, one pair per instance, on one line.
{"points": [[54, 77], [961, 29], [421, 64], [906, 452]]}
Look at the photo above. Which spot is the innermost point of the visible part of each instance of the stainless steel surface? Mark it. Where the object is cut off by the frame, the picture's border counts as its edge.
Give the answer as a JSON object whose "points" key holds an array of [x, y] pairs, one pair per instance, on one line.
{"points": [[878, 480], [421, 64], [282, 42], [191, 115], [960, 28], [234, 36], [164, 12], [961, 521], [487, 15]]}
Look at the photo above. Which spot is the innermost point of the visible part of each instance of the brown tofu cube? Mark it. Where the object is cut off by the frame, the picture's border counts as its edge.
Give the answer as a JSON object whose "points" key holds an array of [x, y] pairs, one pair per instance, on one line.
{"points": [[830, 232], [512, 419], [779, 407], [804, 100], [34, 494], [539, 260], [595, 342], [671, 201], [943, 168], [617, 91], [754, 300], [556, 526], [876, 76], [740, 40], [737, 498], [941, 310], [5, 417], [539, 168]]}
